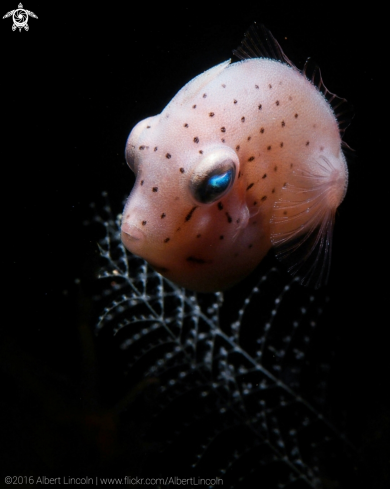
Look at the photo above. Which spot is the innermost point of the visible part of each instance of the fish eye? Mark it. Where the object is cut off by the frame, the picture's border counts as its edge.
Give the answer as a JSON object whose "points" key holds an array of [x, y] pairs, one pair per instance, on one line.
{"points": [[130, 160], [134, 143], [213, 177], [214, 186]]}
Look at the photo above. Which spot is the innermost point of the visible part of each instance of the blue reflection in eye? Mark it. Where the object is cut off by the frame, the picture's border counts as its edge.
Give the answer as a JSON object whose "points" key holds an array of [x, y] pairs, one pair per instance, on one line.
{"points": [[219, 182], [214, 186]]}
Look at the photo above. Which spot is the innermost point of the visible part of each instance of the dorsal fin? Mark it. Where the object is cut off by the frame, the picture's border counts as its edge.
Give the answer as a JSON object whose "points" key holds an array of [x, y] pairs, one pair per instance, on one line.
{"points": [[258, 42], [342, 109]]}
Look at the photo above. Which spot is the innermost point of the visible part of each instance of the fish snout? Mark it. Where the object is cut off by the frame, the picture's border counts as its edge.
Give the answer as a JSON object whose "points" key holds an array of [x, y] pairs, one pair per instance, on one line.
{"points": [[131, 235]]}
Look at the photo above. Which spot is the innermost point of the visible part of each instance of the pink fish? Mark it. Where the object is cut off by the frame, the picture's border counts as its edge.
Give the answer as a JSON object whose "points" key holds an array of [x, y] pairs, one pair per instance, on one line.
{"points": [[246, 157]]}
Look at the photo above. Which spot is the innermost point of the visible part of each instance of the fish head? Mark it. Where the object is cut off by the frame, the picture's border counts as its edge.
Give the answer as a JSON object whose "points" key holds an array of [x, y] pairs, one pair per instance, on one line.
{"points": [[187, 214]]}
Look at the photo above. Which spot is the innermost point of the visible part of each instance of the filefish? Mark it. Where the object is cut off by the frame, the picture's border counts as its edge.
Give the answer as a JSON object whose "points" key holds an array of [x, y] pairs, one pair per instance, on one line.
{"points": [[247, 156]]}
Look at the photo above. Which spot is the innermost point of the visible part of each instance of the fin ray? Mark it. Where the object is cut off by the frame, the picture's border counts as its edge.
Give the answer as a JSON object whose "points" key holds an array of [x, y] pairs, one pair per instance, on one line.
{"points": [[303, 220], [258, 42], [342, 109]]}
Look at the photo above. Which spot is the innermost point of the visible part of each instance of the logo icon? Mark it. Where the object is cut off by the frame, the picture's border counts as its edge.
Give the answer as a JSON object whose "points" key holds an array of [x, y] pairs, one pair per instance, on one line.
{"points": [[20, 17]]}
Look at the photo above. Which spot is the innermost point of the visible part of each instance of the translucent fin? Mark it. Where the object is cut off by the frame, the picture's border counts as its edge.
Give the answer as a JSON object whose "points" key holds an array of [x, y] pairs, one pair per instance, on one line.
{"points": [[258, 42], [342, 109], [303, 219]]}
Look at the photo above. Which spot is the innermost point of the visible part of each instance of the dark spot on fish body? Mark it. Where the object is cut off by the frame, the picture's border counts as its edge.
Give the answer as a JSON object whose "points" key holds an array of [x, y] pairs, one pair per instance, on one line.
{"points": [[250, 186], [251, 158], [273, 190], [221, 237], [168, 156], [196, 140], [204, 95], [144, 223], [163, 215], [250, 246], [160, 269], [242, 119], [260, 106], [199, 261], [220, 206], [198, 235], [185, 125], [269, 85], [237, 147], [249, 138], [229, 218], [264, 176], [222, 140], [155, 189], [201, 151], [148, 127], [281, 145], [142, 182], [277, 102], [223, 85], [166, 240], [211, 114], [257, 87], [141, 147], [234, 101], [262, 130], [263, 198], [189, 215], [223, 129], [296, 116], [283, 124], [307, 143], [275, 169], [268, 148], [181, 170], [194, 106], [255, 202]]}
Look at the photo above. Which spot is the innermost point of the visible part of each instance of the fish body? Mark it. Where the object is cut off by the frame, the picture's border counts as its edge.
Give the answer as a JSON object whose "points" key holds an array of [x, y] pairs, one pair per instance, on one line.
{"points": [[245, 157]]}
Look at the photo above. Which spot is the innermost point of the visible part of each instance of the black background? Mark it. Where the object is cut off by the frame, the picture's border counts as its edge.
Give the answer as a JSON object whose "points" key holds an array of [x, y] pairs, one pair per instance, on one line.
{"points": [[73, 86]]}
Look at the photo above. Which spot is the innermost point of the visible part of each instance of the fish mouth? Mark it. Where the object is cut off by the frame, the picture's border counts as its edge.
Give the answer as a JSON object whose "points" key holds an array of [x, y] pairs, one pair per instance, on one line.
{"points": [[133, 238], [131, 233]]}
